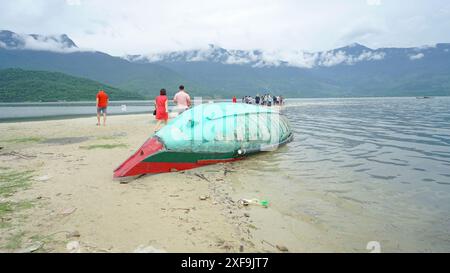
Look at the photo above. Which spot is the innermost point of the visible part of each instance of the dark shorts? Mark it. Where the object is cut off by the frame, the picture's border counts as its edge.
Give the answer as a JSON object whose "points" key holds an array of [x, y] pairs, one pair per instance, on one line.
{"points": [[101, 110]]}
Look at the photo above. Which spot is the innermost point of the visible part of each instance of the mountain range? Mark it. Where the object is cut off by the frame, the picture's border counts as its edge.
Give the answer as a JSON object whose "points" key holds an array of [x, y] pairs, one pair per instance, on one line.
{"points": [[351, 71]]}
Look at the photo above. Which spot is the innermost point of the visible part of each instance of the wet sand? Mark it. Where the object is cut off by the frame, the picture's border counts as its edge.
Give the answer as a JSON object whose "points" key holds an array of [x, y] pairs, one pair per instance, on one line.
{"points": [[69, 196]]}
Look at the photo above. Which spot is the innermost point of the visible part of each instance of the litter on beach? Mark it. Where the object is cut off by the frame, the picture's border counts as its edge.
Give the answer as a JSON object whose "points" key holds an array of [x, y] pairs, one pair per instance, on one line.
{"points": [[247, 202]]}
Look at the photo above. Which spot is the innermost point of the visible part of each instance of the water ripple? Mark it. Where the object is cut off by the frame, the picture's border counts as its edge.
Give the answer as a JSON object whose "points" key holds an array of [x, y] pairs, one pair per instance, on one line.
{"points": [[360, 161]]}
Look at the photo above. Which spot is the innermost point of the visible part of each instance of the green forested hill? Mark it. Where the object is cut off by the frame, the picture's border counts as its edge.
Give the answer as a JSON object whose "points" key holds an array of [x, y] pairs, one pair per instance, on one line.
{"points": [[17, 85]]}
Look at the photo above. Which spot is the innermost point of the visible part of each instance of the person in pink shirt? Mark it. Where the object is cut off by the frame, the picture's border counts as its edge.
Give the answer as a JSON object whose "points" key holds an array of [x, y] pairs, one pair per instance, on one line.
{"points": [[182, 100]]}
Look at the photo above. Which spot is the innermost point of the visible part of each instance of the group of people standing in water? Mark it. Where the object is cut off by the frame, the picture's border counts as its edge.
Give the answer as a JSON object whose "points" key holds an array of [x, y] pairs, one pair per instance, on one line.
{"points": [[266, 99]]}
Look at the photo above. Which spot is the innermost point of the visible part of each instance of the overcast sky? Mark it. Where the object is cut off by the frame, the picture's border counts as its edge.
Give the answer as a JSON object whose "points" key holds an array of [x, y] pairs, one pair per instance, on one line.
{"points": [[123, 27]]}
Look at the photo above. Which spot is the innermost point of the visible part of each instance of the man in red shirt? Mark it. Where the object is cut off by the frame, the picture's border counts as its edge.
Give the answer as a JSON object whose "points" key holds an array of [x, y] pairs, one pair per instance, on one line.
{"points": [[102, 105], [234, 99]]}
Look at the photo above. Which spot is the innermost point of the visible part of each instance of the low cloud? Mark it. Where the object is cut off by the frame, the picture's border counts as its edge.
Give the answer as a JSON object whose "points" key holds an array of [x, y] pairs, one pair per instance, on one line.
{"points": [[242, 57], [237, 60], [41, 43], [416, 57], [333, 58], [290, 58], [311, 60], [371, 56], [259, 58], [56, 43], [424, 47]]}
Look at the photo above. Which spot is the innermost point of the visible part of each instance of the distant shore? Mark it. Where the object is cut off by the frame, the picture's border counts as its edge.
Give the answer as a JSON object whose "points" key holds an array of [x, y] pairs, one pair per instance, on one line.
{"points": [[61, 191]]}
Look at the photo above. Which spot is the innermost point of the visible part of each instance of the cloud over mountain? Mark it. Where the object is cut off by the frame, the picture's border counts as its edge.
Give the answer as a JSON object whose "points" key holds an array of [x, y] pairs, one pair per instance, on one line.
{"points": [[55, 43], [260, 58], [417, 56]]}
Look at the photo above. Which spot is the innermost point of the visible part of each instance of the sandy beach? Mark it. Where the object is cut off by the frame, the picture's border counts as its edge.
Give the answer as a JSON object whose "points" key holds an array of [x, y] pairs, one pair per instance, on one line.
{"points": [[58, 194]]}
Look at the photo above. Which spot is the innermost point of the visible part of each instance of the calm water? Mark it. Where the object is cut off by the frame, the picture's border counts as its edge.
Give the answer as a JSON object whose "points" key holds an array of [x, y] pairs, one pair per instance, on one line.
{"points": [[359, 170], [13, 111], [30, 111]]}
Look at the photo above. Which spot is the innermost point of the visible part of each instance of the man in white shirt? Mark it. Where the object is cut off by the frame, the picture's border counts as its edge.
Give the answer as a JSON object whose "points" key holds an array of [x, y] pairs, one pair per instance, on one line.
{"points": [[182, 100]]}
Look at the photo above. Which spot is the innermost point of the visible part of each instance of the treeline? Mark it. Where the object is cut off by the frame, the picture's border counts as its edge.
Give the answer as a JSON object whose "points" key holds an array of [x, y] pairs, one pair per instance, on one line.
{"points": [[17, 85]]}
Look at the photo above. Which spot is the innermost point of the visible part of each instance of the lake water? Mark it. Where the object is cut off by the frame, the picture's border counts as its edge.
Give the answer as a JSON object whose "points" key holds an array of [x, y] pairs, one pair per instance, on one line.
{"points": [[15, 111], [31, 111], [359, 170]]}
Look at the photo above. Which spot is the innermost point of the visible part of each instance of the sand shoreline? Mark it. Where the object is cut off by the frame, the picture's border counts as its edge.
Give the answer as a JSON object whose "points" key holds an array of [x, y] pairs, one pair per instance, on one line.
{"points": [[64, 117], [66, 167]]}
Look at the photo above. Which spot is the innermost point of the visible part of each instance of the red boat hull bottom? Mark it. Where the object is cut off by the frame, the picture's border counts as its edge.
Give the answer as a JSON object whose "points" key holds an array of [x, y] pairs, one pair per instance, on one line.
{"points": [[141, 162], [166, 167]]}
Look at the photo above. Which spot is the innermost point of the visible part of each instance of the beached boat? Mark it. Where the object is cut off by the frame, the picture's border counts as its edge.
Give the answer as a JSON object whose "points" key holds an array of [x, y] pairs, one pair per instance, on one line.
{"points": [[209, 134]]}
